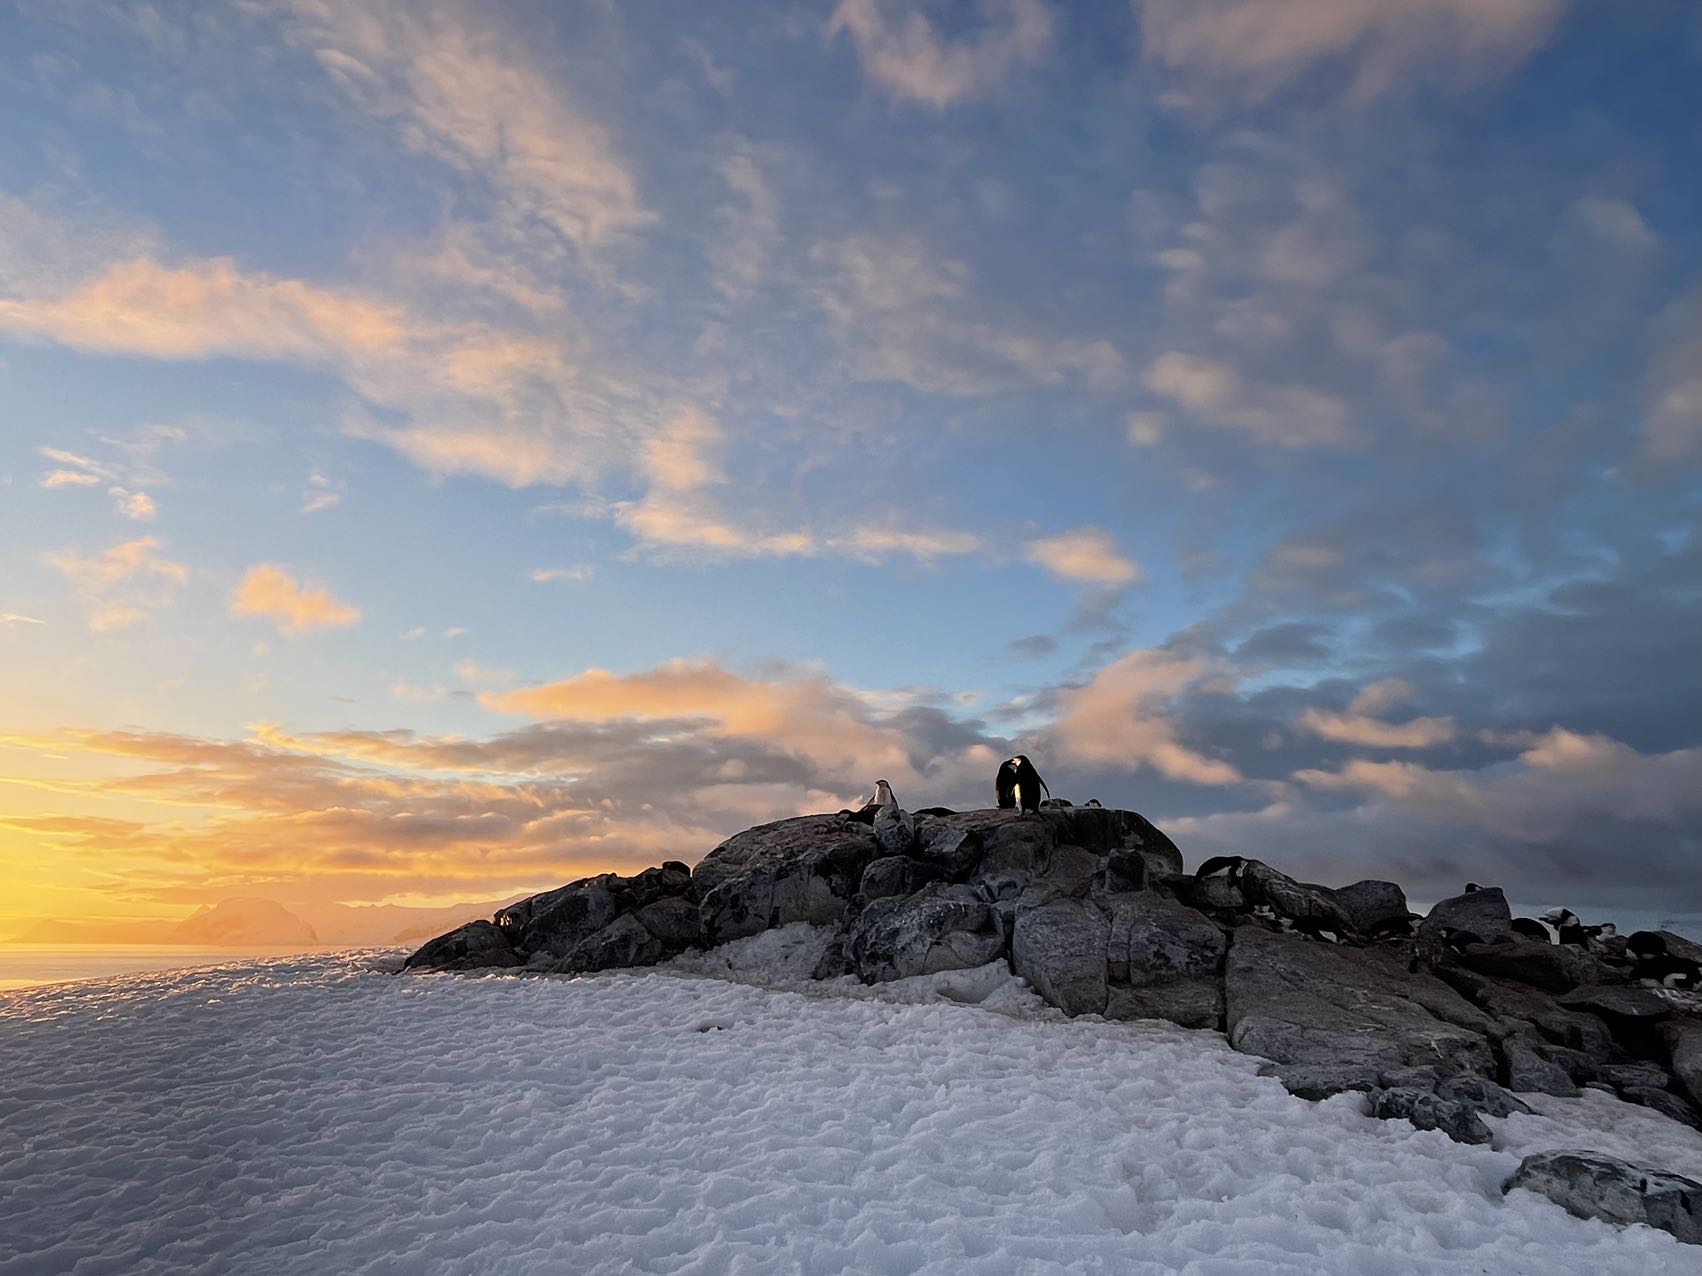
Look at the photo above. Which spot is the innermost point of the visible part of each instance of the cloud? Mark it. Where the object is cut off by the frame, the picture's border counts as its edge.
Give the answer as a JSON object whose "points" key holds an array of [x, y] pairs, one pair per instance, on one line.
{"points": [[69, 478], [321, 494], [1119, 719], [1087, 554], [1248, 50], [11, 619], [1672, 422], [138, 506], [455, 85], [578, 573], [125, 583], [1214, 393], [1362, 724], [903, 52], [269, 591]]}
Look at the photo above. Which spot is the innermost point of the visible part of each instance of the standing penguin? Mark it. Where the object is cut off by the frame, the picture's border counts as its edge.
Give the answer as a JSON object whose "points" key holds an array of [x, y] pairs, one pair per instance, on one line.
{"points": [[1018, 784], [883, 798]]}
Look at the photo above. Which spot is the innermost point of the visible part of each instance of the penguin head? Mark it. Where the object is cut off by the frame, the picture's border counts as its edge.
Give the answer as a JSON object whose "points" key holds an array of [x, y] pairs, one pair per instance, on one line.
{"points": [[1560, 917], [883, 791]]}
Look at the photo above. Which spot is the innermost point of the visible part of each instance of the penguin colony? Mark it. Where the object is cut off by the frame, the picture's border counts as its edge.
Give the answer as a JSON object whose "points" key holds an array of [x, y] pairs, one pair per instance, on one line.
{"points": [[1018, 786]]}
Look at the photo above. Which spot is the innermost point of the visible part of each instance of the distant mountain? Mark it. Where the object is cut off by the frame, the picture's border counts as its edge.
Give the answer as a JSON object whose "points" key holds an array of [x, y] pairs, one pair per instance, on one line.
{"points": [[394, 923], [259, 922]]}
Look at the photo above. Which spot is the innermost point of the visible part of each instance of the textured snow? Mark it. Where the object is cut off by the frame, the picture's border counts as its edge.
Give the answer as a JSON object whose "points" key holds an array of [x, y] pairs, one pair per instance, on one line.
{"points": [[318, 1115]]}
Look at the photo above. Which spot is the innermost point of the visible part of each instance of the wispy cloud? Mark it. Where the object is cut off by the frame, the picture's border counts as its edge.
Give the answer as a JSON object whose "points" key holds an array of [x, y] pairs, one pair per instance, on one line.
{"points": [[125, 583], [271, 592], [321, 493], [1088, 555], [907, 55], [1120, 719], [576, 574]]}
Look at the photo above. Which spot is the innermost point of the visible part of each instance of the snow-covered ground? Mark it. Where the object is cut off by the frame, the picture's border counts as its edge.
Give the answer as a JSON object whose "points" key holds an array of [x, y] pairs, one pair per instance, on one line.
{"points": [[315, 1115]]}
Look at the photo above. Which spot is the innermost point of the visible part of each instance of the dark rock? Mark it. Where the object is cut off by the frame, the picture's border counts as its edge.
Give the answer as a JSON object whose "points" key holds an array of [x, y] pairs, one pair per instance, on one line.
{"points": [[1591, 1186], [475, 946], [1525, 1070], [675, 921], [1481, 1095], [1059, 948], [1625, 1076], [1577, 1064], [940, 927], [954, 851], [1073, 870], [895, 875], [1555, 967], [799, 870], [1301, 901], [1019, 844], [1430, 1111], [557, 921], [1513, 1004], [1287, 1000], [895, 830], [1483, 913], [1619, 1001], [1163, 961], [1663, 1101], [1215, 894], [671, 878], [1683, 1040], [1372, 903], [623, 942]]}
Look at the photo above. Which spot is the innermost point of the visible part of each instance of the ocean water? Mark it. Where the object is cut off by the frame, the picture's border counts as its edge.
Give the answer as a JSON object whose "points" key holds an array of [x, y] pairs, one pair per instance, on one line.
{"points": [[27, 965]]}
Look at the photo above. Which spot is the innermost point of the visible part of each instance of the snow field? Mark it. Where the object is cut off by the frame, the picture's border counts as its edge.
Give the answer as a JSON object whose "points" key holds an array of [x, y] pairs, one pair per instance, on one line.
{"points": [[316, 1115]]}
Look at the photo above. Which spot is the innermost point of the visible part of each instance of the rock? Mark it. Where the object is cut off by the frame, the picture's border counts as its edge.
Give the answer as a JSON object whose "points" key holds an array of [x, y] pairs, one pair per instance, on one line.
{"points": [[895, 830], [1481, 1095], [1371, 903], [1321, 1011], [475, 946], [1483, 913], [1625, 1076], [798, 870], [1663, 1101], [1619, 1001], [1072, 870], [623, 942], [1587, 1185], [1684, 1044], [1515, 1004], [1059, 948], [1523, 1069], [954, 851], [1163, 960], [557, 921], [1554, 967], [1210, 894], [1262, 884], [941, 927], [1019, 845], [669, 879], [675, 921], [895, 875], [1430, 1111]]}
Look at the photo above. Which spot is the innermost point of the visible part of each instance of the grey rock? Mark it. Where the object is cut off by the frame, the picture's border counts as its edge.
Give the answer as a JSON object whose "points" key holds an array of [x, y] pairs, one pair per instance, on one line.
{"points": [[1262, 884], [671, 878], [1554, 967], [1619, 1001], [954, 851], [1588, 1185], [1483, 913], [1307, 1081], [675, 921], [799, 870], [1370, 903], [895, 875], [477, 945], [1481, 1095], [1629, 1075], [1355, 1013], [941, 927], [1163, 960], [1073, 870], [623, 942], [1059, 948], [1516, 1004], [558, 921], [1211, 894], [1526, 1070], [1663, 1101], [895, 830], [1430, 1111], [1684, 1044]]}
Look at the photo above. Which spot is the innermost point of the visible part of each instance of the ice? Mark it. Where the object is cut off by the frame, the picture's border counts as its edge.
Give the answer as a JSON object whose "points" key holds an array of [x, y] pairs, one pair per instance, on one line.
{"points": [[320, 1115]]}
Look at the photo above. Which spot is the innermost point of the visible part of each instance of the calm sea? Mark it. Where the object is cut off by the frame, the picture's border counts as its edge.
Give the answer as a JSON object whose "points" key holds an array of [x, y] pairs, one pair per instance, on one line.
{"points": [[26, 965]]}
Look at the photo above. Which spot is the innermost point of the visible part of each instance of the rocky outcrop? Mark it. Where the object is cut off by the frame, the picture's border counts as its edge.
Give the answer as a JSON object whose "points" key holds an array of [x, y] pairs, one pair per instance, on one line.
{"points": [[1092, 908], [1615, 1191]]}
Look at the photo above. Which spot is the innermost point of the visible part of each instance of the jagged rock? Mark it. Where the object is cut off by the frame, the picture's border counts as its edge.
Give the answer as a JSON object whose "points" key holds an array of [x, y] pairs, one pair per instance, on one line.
{"points": [[475, 946], [1619, 1001], [895, 830], [1684, 1044], [1555, 967], [1059, 948], [941, 927], [1663, 1101], [1481, 1095], [1262, 884], [954, 851], [1163, 960], [670, 878], [895, 875], [1523, 1069], [1072, 870], [1590, 1186], [623, 942], [799, 870], [1625, 1076], [675, 921], [558, 921], [1428, 1110], [1285, 1000], [1371, 903], [1483, 913], [1216, 894]]}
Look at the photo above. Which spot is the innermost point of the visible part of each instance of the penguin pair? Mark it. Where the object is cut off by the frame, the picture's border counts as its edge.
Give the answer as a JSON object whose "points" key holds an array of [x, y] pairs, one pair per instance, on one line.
{"points": [[1018, 785], [1572, 930], [1654, 967], [1306, 927]]}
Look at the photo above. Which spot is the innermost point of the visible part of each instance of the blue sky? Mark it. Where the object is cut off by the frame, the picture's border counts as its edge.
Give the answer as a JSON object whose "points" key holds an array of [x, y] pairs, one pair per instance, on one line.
{"points": [[446, 449]]}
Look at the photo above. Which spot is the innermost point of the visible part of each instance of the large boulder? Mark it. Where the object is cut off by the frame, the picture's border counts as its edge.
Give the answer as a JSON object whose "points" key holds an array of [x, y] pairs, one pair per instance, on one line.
{"points": [[623, 942], [675, 921], [1262, 884], [1555, 967], [941, 927], [1163, 960], [1684, 1045], [798, 870], [1483, 913], [1334, 1018], [895, 875], [1428, 1110], [1588, 1185], [475, 946], [953, 850], [895, 830], [557, 921], [1060, 949], [1371, 903]]}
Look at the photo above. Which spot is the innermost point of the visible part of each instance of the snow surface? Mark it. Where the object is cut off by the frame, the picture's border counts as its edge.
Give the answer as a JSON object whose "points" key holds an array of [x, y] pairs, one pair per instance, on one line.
{"points": [[316, 1115]]}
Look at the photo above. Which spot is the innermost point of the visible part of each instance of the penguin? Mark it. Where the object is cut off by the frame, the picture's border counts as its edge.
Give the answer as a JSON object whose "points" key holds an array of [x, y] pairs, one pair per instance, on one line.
{"points": [[1231, 866], [1096, 804], [1394, 927], [1313, 929], [1654, 967], [1530, 928], [1472, 888], [1019, 785], [1456, 940], [883, 797], [1572, 930]]}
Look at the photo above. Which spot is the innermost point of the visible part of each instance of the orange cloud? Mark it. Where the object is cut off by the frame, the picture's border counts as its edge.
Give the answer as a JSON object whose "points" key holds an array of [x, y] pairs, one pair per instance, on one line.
{"points": [[271, 592], [1119, 719], [1088, 554]]}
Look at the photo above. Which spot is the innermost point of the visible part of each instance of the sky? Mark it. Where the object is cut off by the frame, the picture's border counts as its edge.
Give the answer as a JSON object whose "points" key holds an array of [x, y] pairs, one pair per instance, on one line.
{"points": [[447, 449]]}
